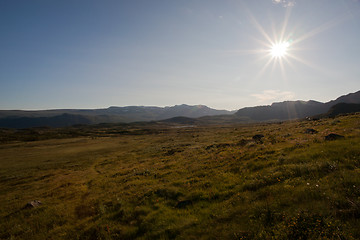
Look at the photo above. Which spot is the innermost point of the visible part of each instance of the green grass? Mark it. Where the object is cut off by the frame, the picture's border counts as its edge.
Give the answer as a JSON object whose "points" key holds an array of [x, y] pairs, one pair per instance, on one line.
{"points": [[159, 182]]}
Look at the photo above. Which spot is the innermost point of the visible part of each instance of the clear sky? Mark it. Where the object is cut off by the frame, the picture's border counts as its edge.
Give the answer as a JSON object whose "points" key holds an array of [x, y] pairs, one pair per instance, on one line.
{"points": [[101, 53]]}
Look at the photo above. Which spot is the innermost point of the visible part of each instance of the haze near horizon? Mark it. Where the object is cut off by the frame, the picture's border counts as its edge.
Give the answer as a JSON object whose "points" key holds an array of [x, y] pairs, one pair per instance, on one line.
{"points": [[224, 54]]}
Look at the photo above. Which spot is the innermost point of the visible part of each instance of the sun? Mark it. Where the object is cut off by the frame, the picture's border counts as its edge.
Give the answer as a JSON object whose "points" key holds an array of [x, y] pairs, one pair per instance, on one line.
{"points": [[279, 50]]}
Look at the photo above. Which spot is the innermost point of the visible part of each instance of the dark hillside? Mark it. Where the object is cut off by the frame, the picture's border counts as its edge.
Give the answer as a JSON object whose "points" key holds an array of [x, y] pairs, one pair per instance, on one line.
{"points": [[289, 110], [283, 111], [56, 121], [342, 108], [181, 120], [349, 98]]}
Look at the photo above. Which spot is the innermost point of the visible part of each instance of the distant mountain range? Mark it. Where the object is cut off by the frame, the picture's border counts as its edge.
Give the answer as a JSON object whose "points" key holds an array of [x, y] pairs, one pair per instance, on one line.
{"points": [[68, 117], [183, 114]]}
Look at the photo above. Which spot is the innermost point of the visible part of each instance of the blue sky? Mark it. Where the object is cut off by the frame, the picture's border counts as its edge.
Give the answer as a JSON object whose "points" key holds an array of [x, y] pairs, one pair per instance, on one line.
{"points": [[96, 54]]}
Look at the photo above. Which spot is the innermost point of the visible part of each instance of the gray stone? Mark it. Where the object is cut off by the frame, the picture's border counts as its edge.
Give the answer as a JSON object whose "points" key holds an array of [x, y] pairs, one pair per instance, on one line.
{"points": [[33, 204]]}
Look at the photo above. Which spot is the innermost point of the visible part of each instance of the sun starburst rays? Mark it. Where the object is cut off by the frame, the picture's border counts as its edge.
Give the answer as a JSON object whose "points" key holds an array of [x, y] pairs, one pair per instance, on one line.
{"points": [[280, 49], [322, 28]]}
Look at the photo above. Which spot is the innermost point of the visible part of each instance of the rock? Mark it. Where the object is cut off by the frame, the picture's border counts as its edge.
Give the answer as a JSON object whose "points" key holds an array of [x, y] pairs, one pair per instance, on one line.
{"points": [[219, 145], [257, 138], [333, 136], [183, 204], [311, 131], [33, 204], [242, 142], [172, 152]]}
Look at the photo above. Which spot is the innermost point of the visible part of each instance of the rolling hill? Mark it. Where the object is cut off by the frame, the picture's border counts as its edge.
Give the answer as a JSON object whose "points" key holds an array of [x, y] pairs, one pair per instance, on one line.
{"points": [[289, 110]]}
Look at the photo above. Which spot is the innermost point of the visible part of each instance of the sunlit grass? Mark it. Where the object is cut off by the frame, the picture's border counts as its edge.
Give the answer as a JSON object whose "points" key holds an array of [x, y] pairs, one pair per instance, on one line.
{"points": [[188, 183]]}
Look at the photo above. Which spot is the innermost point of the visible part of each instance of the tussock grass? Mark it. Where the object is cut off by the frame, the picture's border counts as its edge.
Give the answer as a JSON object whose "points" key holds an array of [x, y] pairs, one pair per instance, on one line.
{"points": [[159, 182]]}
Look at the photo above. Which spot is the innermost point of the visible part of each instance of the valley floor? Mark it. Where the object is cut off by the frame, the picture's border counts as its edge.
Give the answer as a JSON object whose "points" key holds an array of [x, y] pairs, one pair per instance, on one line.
{"points": [[193, 182]]}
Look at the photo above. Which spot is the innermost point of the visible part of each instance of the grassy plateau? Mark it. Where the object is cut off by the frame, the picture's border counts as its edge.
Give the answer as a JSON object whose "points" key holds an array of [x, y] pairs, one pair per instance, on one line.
{"points": [[168, 181]]}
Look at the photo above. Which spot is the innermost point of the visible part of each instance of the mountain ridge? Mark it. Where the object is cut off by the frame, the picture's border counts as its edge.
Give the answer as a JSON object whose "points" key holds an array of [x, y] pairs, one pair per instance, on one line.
{"points": [[289, 110], [113, 114], [277, 111]]}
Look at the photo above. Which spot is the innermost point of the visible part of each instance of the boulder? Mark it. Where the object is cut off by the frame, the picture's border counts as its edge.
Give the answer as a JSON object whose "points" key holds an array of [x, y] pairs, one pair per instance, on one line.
{"points": [[310, 131], [33, 204], [183, 204], [258, 138], [333, 136]]}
